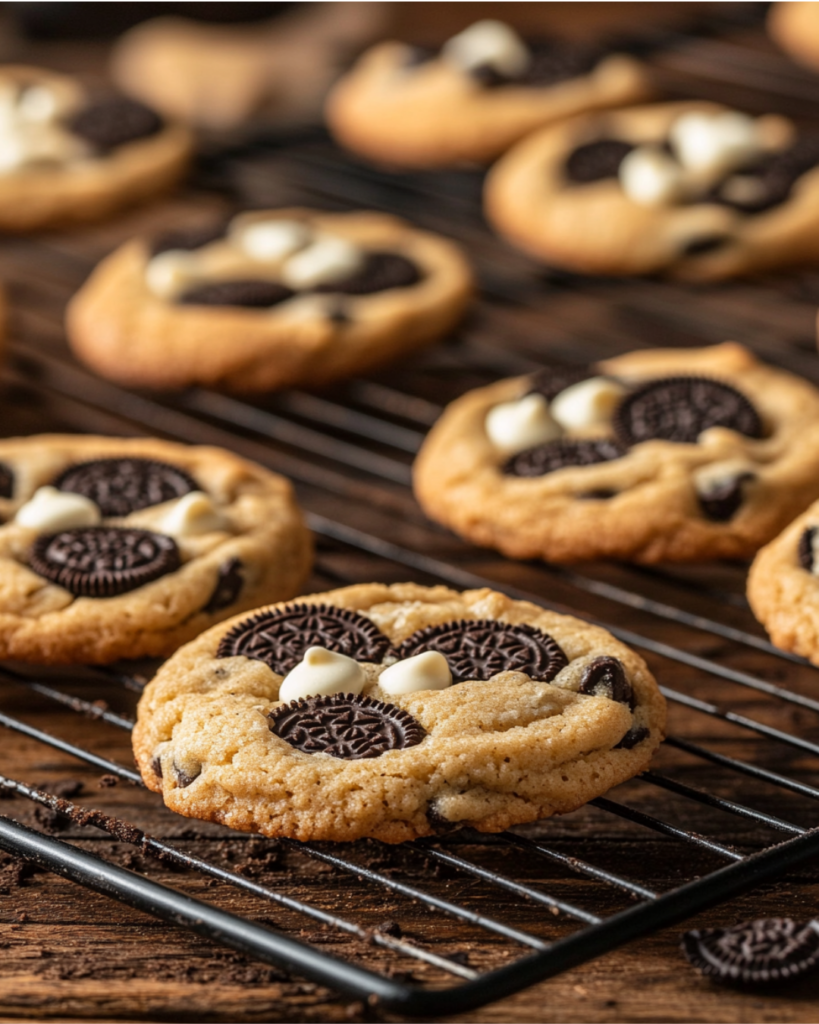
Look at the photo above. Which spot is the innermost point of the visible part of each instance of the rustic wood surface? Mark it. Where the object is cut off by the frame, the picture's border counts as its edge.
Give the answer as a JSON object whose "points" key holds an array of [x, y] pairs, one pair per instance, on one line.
{"points": [[71, 954]]}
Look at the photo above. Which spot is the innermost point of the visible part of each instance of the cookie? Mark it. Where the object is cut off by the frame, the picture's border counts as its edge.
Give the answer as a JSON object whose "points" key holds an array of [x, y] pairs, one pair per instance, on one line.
{"points": [[486, 89], [691, 190], [68, 155], [395, 712], [795, 27], [273, 299], [114, 548], [659, 455]]}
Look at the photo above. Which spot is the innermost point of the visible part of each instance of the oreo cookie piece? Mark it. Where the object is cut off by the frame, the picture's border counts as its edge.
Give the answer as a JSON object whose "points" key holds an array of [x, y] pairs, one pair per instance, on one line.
{"points": [[121, 486], [772, 179], [554, 455], [722, 502], [251, 293], [551, 380], [551, 61], [345, 726], [187, 238], [768, 950], [595, 161], [6, 481], [381, 271], [805, 550], [606, 677], [229, 585], [680, 408], [111, 122], [280, 637], [103, 561], [480, 648]]}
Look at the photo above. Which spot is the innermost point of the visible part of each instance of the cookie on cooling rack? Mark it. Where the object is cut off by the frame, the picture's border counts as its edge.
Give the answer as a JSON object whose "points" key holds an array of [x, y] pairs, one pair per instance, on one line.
{"points": [[395, 712], [114, 548], [691, 190], [273, 299], [795, 27], [677, 455], [483, 91], [68, 155]]}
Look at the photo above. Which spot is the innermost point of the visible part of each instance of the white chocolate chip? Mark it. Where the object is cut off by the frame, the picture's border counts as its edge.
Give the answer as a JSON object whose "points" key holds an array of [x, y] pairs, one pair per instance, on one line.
{"points": [[169, 272], [190, 515], [49, 510], [327, 261], [714, 143], [38, 103], [513, 426], [272, 239], [590, 403], [488, 42], [426, 671], [651, 177], [321, 673]]}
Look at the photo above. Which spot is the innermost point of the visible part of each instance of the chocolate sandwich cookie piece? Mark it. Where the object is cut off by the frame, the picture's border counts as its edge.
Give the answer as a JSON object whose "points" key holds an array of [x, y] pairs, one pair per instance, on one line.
{"points": [[479, 649], [281, 636], [103, 561], [755, 952], [771, 181], [595, 161], [551, 61], [722, 501], [187, 239], [551, 380], [6, 481], [554, 455], [252, 293], [381, 271], [228, 587], [113, 121], [805, 550], [121, 486], [606, 677], [681, 408], [345, 726]]}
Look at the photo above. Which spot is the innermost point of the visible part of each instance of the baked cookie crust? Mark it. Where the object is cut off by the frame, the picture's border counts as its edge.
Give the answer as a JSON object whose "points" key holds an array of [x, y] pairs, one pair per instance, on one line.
{"points": [[496, 753], [795, 27]]}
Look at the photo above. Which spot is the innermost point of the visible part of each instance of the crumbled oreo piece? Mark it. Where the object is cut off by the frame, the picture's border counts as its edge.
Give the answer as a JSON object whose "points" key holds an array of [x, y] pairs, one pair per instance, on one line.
{"points": [[595, 161], [6, 481], [381, 271], [121, 486], [250, 293], [755, 952], [681, 408], [551, 380], [805, 550], [606, 677], [229, 585], [113, 121], [635, 735], [774, 177], [103, 561], [721, 502], [554, 455], [187, 238], [346, 726], [480, 648], [551, 61], [281, 636]]}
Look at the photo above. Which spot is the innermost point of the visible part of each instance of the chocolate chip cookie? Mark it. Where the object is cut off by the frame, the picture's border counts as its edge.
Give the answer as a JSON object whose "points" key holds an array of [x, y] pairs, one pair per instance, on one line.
{"points": [[113, 548], [690, 190], [395, 712], [675, 455], [273, 299]]}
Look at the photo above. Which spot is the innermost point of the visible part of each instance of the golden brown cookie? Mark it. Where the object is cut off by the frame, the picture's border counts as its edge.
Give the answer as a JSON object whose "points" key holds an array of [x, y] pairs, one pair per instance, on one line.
{"points": [[691, 190], [113, 548], [661, 455], [485, 90], [795, 27], [278, 298], [438, 709]]}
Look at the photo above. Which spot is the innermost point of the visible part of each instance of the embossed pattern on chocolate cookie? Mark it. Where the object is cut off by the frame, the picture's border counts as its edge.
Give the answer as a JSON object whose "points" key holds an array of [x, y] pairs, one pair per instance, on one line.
{"points": [[345, 726], [281, 636], [251, 293], [111, 122], [766, 950], [805, 550], [480, 648], [186, 238], [381, 271], [229, 585], [554, 455], [551, 380], [595, 161], [103, 561], [606, 677], [121, 486], [681, 408], [6, 481]]}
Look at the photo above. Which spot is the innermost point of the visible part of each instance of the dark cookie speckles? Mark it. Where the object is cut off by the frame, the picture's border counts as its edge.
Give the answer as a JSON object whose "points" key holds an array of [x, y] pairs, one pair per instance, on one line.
{"points": [[554, 455], [108, 123], [596, 161], [755, 952], [606, 677], [250, 293], [121, 486]]}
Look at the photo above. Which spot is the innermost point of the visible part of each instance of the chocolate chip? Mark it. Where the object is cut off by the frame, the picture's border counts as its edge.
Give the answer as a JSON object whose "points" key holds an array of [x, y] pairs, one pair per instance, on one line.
{"points": [[229, 585], [680, 408], [723, 499], [346, 726], [185, 776], [480, 648], [704, 243], [122, 486], [111, 122], [595, 161], [187, 238], [252, 293], [805, 550], [767, 950], [156, 766], [635, 735], [438, 823], [601, 494], [606, 677], [6, 481], [551, 380], [281, 636], [554, 455], [775, 175], [103, 561], [381, 271]]}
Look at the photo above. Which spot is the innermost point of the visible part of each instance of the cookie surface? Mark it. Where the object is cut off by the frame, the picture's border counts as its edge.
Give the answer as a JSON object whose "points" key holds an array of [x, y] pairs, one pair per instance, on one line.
{"points": [[70, 156], [278, 298], [495, 748], [170, 539], [691, 190], [795, 27], [704, 453]]}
